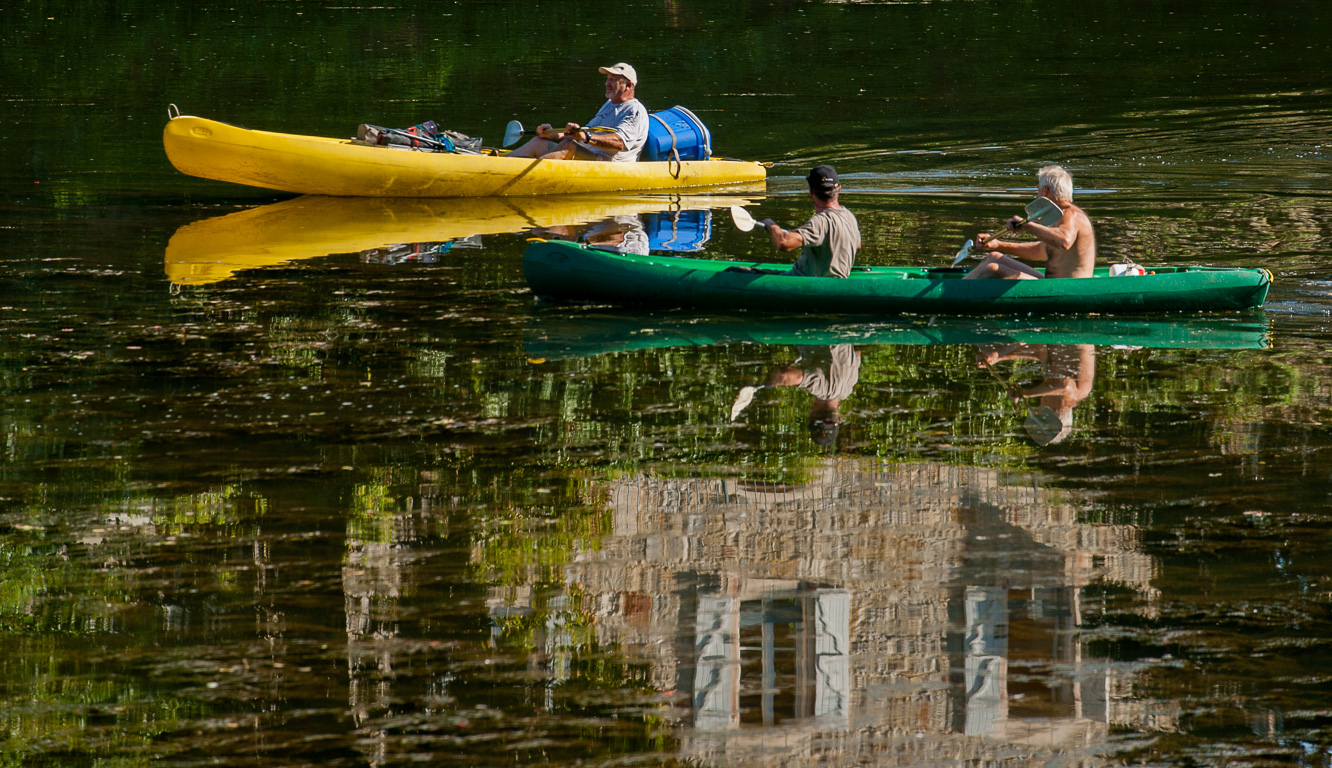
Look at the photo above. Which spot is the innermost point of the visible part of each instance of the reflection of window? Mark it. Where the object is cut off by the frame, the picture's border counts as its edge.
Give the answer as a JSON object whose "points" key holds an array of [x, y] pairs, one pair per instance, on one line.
{"points": [[1040, 636], [773, 685], [771, 659], [1022, 660]]}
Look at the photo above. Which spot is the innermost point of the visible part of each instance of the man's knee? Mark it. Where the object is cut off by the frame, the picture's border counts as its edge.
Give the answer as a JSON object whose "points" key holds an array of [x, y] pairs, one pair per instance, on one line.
{"points": [[536, 147], [559, 153]]}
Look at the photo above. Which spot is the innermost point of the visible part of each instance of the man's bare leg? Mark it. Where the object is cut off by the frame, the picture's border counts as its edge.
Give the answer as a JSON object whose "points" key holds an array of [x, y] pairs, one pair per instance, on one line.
{"points": [[535, 147], [565, 150], [570, 149], [1000, 267]]}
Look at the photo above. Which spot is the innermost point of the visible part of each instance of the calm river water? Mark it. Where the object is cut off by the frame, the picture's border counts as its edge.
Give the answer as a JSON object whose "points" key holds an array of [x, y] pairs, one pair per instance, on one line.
{"points": [[316, 482]]}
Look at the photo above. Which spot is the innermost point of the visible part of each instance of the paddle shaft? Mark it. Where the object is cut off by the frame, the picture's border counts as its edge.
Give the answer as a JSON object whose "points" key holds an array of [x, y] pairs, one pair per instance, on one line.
{"points": [[516, 131], [1021, 223], [1036, 414], [423, 140], [584, 131], [1041, 210]]}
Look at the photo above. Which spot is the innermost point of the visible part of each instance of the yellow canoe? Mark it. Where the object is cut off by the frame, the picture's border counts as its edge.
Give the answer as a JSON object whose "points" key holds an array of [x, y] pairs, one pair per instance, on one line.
{"points": [[211, 250], [313, 165]]}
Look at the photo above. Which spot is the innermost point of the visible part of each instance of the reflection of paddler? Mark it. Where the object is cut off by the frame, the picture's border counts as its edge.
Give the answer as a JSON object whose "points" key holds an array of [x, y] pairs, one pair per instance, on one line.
{"points": [[211, 250], [624, 234], [1068, 372], [827, 373]]}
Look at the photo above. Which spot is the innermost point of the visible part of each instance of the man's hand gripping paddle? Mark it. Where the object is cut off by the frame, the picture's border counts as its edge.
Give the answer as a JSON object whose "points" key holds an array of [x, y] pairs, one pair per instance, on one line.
{"points": [[1042, 210], [515, 131]]}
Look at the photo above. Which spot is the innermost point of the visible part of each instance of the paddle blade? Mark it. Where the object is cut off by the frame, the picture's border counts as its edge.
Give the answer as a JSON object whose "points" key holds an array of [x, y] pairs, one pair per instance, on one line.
{"points": [[742, 400], [1045, 427], [743, 222], [512, 133], [963, 253], [1043, 211]]}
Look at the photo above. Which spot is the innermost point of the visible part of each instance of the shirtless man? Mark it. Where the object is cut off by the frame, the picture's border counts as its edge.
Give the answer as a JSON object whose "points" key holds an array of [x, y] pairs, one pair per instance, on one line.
{"points": [[623, 113], [1068, 248]]}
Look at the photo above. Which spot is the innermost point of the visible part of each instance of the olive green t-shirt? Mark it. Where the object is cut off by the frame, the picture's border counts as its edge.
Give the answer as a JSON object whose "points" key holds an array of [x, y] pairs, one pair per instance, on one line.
{"points": [[831, 372], [832, 238]]}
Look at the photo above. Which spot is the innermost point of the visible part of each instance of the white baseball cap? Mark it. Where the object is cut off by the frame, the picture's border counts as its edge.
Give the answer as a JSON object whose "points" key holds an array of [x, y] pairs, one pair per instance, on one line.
{"points": [[621, 69]]}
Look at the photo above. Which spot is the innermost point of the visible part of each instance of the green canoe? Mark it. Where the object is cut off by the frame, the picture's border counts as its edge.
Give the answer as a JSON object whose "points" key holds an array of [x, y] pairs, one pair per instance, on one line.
{"points": [[555, 335], [569, 271]]}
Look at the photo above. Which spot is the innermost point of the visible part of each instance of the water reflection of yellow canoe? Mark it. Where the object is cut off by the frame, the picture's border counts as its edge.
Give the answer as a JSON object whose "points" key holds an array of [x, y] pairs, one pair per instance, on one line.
{"points": [[308, 227]]}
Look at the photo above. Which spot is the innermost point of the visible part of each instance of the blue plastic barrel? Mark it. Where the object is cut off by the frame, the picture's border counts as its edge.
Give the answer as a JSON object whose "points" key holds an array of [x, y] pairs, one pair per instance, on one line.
{"points": [[679, 128], [678, 231]]}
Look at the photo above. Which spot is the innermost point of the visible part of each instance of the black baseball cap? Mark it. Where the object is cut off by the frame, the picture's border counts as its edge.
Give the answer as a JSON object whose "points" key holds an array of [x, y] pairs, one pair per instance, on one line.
{"points": [[823, 177], [824, 431]]}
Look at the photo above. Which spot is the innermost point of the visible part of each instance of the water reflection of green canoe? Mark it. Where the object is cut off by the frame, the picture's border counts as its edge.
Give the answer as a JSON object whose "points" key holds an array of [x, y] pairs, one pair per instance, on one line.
{"points": [[552, 338], [574, 272]]}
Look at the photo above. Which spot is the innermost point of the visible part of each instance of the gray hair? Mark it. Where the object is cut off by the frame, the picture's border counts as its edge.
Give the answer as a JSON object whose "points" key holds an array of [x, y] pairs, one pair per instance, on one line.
{"points": [[1057, 179]]}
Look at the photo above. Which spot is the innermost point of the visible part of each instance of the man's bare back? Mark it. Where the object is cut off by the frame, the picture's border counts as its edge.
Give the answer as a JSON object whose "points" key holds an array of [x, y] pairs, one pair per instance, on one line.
{"points": [[1068, 248]]}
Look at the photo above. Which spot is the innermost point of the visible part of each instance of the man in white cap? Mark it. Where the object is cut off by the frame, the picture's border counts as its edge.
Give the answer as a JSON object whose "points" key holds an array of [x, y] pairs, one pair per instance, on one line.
{"points": [[623, 118]]}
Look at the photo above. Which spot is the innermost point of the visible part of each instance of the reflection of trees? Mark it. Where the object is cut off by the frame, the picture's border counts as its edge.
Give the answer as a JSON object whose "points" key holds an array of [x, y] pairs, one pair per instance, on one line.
{"points": [[378, 553], [265, 52], [73, 602]]}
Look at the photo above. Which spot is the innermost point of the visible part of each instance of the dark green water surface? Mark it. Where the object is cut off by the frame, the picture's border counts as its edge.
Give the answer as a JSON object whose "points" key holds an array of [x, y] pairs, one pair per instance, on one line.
{"points": [[274, 492]]}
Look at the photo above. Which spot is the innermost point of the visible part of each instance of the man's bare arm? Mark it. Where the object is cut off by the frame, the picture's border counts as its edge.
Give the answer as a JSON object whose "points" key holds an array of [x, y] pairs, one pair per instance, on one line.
{"points": [[1031, 251], [1062, 236], [782, 239], [607, 141]]}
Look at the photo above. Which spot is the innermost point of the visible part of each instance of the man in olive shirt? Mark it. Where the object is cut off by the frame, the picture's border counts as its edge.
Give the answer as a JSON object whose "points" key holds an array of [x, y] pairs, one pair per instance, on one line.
{"points": [[829, 240]]}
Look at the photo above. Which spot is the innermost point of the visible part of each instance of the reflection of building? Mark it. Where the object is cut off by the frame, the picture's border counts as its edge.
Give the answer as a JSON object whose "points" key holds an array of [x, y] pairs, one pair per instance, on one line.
{"points": [[372, 586], [904, 614]]}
